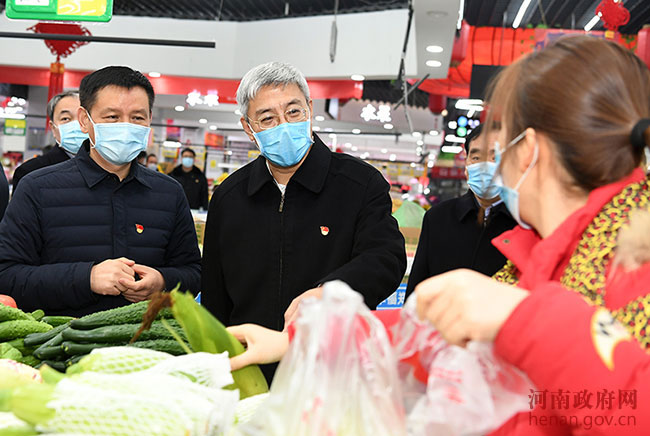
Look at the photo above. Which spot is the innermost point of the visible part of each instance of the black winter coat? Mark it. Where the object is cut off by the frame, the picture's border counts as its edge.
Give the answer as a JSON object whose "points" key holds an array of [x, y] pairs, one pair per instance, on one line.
{"points": [[261, 250], [4, 192], [195, 186], [452, 238], [52, 157], [68, 217]]}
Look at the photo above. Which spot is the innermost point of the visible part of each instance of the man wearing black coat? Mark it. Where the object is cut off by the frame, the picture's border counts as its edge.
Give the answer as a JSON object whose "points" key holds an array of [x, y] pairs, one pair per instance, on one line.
{"points": [[458, 233], [192, 180], [61, 110], [4, 192], [99, 231], [296, 217]]}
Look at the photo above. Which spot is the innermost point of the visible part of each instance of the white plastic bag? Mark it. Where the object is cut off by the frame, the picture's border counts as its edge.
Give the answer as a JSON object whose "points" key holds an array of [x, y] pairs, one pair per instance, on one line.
{"points": [[449, 390], [339, 376]]}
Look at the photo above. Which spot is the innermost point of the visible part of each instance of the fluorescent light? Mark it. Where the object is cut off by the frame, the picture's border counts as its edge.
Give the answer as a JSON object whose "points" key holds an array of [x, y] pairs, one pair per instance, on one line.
{"points": [[590, 25], [416, 134], [172, 144], [434, 133], [332, 135], [354, 148], [213, 127], [388, 126], [444, 112], [328, 129], [154, 74], [455, 149], [392, 157], [238, 112], [358, 77], [384, 150], [469, 104], [347, 145], [412, 164], [203, 121], [520, 14], [356, 131], [179, 108], [433, 64], [316, 128], [418, 150], [420, 142], [319, 118], [454, 138], [434, 49], [229, 152]]}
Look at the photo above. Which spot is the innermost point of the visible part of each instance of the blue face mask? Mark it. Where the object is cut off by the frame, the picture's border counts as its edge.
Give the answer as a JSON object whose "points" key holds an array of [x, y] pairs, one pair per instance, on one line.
{"points": [[510, 196], [480, 179], [120, 143], [71, 136], [187, 162], [285, 144]]}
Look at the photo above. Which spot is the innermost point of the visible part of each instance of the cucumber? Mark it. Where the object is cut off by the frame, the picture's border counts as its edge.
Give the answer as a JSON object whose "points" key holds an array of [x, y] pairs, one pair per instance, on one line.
{"points": [[170, 346], [56, 321], [73, 348], [74, 359], [41, 338], [49, 353], [20, 328], [122, 315], [8, 313], [38, 314], [121, 333], [54, 364], [9, 352]]}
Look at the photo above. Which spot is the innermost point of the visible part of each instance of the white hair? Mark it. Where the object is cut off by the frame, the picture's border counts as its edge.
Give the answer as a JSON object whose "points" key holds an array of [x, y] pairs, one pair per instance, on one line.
{"points": [[269, 74]]}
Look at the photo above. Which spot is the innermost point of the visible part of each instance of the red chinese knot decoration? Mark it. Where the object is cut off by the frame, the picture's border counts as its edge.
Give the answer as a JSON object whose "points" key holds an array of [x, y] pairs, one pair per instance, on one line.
{"points": [[613, 14], [61, 49]]}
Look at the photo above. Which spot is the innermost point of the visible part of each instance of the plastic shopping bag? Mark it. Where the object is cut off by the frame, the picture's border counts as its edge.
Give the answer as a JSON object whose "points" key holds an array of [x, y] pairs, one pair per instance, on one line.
{"points": [[449, 390], [339, 376]]}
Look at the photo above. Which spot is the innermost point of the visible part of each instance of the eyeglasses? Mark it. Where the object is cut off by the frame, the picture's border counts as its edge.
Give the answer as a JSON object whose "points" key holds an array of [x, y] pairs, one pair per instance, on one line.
{"points": [[292, 115]]}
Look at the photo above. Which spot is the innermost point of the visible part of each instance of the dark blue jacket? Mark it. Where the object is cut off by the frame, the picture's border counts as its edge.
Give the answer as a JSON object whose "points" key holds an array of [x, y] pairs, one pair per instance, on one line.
{"points": [[68, 217]]}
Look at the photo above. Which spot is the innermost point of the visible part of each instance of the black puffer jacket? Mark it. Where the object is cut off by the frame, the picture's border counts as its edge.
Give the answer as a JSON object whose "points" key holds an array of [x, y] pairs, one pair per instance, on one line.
{"points": [[68, 217]]}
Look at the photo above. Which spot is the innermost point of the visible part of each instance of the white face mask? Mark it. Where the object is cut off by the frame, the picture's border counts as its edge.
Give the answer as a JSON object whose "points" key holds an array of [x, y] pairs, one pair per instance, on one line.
{"points": [[510, 196], [152, 166]]}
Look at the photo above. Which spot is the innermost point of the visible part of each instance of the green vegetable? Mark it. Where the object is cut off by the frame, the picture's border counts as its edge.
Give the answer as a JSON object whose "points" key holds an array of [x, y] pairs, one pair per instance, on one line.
{"points": [[59, 365], [30, 360], [56, 321], [120, 333], [122, 315], [38, 314], [29, 402], [205, 333], [41, 338], [49, 353], [8, 313], [165, 345], [12, 426], [73, 348], [118, 360], [20, 328], [50, 375], [9, 352], [74, 359], [19, 344]]}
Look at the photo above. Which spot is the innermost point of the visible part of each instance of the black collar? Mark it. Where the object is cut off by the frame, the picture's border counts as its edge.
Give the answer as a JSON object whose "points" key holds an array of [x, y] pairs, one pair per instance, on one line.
{"points": [[468, 203], [93, 173], [311, 174]]}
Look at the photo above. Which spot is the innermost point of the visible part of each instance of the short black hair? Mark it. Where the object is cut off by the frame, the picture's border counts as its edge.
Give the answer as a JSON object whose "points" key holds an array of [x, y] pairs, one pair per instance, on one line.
{"points": [[188, 149], [152, 155], [123, 77], [475, 133], [142, 155]]}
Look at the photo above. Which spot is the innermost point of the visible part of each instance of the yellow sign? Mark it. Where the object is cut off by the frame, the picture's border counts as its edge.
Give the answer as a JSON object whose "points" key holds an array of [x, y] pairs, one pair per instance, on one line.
{"points": [[90, 8]]}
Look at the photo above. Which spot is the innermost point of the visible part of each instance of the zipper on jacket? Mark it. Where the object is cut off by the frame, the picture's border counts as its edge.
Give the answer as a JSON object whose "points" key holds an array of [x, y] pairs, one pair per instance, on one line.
{"points": [[480, 239], [280, 209]]}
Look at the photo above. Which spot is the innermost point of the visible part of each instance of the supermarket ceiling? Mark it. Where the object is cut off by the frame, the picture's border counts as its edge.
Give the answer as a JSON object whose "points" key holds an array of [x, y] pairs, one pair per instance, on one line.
{"points": [[554, 13]]}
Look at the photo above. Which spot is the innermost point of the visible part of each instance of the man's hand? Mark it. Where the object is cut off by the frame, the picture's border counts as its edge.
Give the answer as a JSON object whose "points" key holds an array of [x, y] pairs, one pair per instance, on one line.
{"points": [[106, 277], [465, 305], [292, 312], [262, 345], [150, 281]]}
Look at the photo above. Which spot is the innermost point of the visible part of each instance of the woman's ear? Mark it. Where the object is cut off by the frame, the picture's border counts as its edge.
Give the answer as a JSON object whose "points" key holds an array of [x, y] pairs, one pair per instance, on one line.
{"points": [[526, 150]]}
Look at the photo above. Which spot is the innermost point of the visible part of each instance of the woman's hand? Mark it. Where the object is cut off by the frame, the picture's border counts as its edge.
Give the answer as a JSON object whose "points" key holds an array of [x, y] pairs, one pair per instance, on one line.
{"points": [[262, 345], [464, 305]]}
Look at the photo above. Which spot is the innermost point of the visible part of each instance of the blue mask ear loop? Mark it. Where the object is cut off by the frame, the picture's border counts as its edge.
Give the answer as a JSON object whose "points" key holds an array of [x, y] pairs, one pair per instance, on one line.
{"points": [[93, 123], [498, 153]]}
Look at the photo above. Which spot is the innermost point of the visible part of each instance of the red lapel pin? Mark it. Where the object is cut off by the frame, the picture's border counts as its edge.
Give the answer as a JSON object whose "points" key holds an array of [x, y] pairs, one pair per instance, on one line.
{"points": [[324, 230], [139, 228]]}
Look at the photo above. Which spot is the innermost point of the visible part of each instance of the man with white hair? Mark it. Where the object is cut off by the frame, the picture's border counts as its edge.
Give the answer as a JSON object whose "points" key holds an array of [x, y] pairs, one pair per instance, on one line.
{"points": [[296, 217]]}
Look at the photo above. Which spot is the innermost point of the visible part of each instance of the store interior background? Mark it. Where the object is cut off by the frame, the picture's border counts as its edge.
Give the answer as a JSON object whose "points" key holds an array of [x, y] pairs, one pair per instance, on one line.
{"points": [[355, 87]]}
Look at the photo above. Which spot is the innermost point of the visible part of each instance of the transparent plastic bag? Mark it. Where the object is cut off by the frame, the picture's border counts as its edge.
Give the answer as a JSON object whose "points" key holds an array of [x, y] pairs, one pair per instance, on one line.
{"points": [[449, 390], [339, 376]]}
